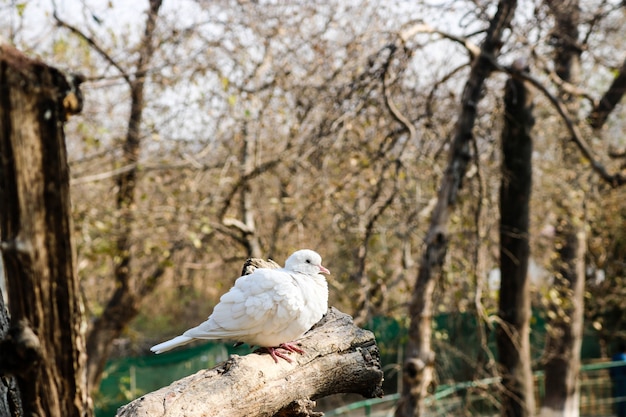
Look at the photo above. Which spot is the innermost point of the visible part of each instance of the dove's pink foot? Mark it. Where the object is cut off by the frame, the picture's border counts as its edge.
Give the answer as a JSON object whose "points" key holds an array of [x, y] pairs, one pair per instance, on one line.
{"points": [[275, 352]]}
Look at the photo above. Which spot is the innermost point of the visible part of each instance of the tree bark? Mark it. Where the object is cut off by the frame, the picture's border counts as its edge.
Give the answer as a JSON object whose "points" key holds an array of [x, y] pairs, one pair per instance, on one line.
{"points": [[45, 350], [339, 358], [565, 332], [513, 331], [418, 370], [10, 404]]}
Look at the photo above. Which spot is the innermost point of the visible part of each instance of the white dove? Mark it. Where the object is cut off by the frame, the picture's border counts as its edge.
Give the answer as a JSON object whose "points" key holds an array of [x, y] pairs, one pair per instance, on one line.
{"points": [[269, 308]]}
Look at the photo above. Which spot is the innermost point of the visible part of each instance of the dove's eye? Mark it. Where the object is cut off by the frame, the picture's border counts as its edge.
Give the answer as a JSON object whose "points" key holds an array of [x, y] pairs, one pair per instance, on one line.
{"points": [[308, 261]]}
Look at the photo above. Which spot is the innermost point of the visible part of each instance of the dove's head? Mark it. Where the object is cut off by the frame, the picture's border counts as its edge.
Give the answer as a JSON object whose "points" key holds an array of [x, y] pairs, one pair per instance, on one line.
{"points": [[307, 262]]}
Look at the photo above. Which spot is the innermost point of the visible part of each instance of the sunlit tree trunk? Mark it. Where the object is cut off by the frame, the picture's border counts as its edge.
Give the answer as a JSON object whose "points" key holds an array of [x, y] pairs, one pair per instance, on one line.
{"points": [[564, 336], [45, 350]]}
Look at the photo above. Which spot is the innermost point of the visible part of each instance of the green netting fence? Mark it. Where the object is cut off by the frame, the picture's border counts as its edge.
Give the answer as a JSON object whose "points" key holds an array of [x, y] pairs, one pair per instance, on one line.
{"points": [[128, 378]]}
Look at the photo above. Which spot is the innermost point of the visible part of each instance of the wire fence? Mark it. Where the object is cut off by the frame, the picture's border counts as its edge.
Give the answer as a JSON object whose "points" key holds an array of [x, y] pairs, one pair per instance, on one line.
{"points": [[480, 398]]}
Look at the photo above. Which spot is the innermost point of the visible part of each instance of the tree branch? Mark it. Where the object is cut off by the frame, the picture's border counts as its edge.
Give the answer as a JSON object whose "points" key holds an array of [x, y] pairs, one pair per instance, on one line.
{"points": [[391, 106], [473, 49], [598, 115], [615, 180], [243, 180], [610, 99], [93, 44]]}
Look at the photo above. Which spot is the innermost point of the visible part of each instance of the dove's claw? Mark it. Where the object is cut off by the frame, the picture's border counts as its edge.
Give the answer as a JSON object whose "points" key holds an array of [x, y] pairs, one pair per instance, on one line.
{"points": [[277, 352], [290, 347]]}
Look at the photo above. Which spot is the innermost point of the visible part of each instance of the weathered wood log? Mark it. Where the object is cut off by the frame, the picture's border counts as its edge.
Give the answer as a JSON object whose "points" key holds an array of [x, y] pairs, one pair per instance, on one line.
{"points": [[339, 358]]}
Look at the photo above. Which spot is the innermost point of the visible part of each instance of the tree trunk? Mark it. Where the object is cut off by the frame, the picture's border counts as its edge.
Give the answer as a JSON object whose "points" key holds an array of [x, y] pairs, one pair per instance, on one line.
{"points": [[339, 358], [45, 349], [418, 368], [564, 337], [514, 304], [10, 404]]}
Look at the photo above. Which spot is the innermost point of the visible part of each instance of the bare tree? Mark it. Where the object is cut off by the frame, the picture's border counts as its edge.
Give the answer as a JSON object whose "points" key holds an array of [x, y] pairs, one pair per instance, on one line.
{"points": [[418, 368], [123, 304]]}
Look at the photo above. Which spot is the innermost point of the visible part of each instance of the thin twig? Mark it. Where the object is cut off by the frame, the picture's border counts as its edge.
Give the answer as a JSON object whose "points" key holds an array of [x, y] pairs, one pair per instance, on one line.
{"points": [[93, 44], [614, 180]]}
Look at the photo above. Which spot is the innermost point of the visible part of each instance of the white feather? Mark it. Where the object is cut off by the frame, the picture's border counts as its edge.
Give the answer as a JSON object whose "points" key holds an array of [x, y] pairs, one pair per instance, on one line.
{"points": [[171, 344]]}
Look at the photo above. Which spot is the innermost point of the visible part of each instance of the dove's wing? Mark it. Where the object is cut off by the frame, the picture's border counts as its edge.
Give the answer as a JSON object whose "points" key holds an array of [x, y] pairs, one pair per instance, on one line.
{"points": [[263, 303]]}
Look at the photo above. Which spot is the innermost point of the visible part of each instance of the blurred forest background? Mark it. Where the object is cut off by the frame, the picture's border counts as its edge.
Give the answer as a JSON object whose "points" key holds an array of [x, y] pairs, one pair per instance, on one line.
{"points": [[214, 131]]}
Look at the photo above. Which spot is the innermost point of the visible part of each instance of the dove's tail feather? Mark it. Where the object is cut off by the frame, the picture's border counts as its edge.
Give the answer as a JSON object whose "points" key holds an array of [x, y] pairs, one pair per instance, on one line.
{"points": [[171, 344]]}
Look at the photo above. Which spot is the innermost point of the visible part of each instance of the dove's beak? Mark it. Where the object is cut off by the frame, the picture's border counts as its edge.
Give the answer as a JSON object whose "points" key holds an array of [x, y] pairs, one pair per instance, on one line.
{"points": [[323, 270]]}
